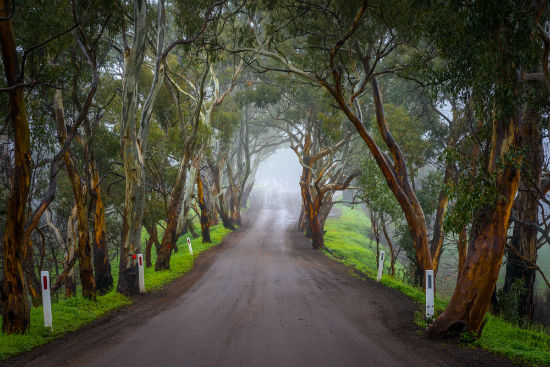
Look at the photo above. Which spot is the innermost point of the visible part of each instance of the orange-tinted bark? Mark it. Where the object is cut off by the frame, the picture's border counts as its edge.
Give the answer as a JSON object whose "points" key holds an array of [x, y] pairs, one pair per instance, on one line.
{"points": [[102, 266], [15, 306], [476, 282], [170, 236], [84, 243]]}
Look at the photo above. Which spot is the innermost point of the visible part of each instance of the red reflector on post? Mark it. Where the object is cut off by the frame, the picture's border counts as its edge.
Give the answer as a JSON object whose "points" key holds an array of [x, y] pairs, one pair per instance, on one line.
{"points": [[140, 261], [133, 256], [45, 280]]}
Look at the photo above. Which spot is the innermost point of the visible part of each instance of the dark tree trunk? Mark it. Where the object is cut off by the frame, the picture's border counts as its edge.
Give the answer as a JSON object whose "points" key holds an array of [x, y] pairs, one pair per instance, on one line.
{"points": [[205, 228], [170, 236], [13, 292]]}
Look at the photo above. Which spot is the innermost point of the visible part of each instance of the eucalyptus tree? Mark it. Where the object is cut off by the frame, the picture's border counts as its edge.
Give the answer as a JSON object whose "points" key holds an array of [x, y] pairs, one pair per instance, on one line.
{"points": [[15, 306], [322, 145], [39, 66], [342, 46], [189, 144], [134, 132], [496, 45]]}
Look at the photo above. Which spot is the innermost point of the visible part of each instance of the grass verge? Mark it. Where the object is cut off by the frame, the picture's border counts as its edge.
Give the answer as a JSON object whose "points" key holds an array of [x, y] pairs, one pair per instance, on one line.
{"points": [[346, 237], [70, 314]]}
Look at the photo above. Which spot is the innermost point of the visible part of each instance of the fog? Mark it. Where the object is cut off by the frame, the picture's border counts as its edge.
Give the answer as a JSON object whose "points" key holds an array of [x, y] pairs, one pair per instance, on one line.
{"points": [[281, 171]]}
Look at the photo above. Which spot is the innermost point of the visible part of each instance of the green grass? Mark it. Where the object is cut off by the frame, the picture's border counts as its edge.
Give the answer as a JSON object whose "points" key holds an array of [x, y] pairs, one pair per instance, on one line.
{"points": [[357, 250], [346, 238], [72, 313]]}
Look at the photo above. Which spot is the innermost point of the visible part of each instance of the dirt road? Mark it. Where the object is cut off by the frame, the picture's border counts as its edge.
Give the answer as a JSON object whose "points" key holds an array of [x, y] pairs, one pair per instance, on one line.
{"points": [[265, 298]]}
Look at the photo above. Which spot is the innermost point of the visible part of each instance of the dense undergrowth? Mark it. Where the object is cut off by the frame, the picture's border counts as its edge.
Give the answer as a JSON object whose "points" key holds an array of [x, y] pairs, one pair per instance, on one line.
{"points": [[69, 314], [346, 237]]}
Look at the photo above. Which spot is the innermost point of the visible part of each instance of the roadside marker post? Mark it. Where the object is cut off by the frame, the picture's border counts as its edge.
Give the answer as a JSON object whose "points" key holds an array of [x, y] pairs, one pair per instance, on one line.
{"points": [[46, 299], [380, 266], [141, 274], [429, 294], [189, 244]]}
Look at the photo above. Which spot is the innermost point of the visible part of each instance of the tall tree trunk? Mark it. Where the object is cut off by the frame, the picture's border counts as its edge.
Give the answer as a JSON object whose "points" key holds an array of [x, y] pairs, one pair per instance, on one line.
{"points": [[205, 228], [84, 245], [476, 282], [132, 144], [102, 266], [524, 238], [13, 293]]}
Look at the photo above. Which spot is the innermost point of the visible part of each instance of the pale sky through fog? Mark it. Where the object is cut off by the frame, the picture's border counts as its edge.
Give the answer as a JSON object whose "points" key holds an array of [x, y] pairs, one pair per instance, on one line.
{"points": [[280, 170]]}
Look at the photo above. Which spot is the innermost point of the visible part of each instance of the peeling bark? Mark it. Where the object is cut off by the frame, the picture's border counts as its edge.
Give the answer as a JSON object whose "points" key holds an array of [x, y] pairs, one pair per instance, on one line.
{"points": [[476, 282], [84, 244], [13, 291]]}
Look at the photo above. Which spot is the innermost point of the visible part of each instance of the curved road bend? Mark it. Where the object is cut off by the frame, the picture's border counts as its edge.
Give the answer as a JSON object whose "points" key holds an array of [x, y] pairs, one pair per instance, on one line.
{"points": [[270, 300]]}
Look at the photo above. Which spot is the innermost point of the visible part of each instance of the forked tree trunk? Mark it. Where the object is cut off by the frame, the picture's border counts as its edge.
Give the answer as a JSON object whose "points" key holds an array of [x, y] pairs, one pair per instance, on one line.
{"points": [[84, 245], [476, 283], [524, 238], [13, 292], [222, 211], [153, 239], [170, 237], [313, 210], [205, 228]]}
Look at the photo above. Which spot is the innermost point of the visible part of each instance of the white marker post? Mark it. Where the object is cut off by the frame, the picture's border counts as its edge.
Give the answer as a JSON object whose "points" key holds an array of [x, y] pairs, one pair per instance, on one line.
{"points": [[46, 299], [141, 274], [189, 244], [380, 266], [429, 294]]}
